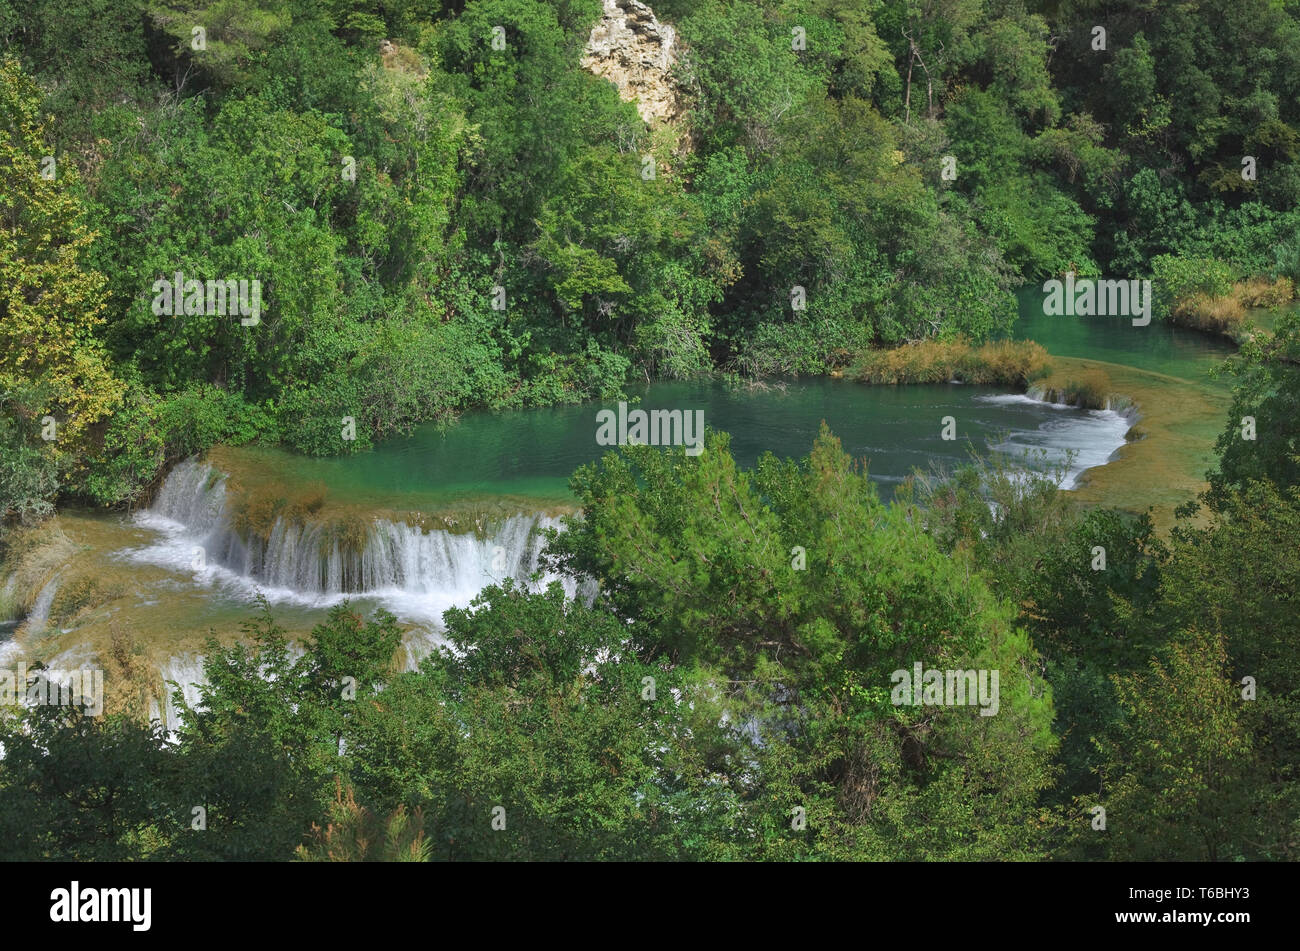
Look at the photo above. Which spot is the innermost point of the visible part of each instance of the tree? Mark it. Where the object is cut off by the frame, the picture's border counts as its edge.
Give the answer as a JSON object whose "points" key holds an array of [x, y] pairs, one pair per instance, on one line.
{"points": [[235, 33], [1267, 390], [1238, 576], [354, 834], [1176, 786], [261, 749], [51, 364], [532, 736], [705, 555], [83, 788]]}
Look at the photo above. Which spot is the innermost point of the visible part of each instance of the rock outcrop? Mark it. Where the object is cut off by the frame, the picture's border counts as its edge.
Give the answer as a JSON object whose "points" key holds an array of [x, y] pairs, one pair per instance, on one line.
{"points": [[401, 59], [635, 52]]}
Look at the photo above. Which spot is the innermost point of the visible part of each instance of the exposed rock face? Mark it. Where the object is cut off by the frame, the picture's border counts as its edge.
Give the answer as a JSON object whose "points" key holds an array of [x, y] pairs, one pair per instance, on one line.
{"points": [[401, 59], [634, 51]]}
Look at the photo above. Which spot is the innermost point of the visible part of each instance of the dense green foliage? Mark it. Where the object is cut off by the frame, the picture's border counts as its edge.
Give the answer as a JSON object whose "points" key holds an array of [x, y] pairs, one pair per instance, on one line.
{"points": [[441, 221], [727, 694], [748, 686], [1262, 438]]}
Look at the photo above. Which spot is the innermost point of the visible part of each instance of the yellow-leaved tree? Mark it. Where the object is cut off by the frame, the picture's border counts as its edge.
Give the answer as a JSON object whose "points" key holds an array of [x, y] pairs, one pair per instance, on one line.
{"points": [[55, 379]]}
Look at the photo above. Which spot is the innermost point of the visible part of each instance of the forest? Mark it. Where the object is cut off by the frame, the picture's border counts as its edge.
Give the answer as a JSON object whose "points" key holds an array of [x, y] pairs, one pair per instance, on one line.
{"points": [[447, 208]]}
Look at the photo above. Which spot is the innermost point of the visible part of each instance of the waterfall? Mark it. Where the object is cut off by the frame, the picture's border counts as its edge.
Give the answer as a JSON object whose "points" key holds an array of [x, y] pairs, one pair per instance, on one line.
{"points": [[193, 495], [1089, 437], [394, 557], [417, 573], [186, 671], [40, 613]]}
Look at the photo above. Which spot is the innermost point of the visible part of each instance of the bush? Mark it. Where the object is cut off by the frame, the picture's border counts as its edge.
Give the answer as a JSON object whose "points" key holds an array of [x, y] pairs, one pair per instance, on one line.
{"points": [[1178, 277], [673, 343], [203, 415], [28, 478], [791, 348], [387, 377], [595, 373], [29, 472], [1244, 236], [148, 432], [130, 455], [1267, 387], [312, 418], [1286, 258]]}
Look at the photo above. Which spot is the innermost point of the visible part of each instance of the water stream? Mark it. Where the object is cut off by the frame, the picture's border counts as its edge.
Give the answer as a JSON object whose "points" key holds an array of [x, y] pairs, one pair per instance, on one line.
{"points": [[182, 569]]}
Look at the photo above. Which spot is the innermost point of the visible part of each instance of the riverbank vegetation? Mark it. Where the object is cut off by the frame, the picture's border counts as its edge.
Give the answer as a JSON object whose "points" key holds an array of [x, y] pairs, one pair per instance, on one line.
{"points": [[445, 210], [1017, 364], [1001, 363], [1201, 294], [1089, 387], [730, 695], [380, 169]]}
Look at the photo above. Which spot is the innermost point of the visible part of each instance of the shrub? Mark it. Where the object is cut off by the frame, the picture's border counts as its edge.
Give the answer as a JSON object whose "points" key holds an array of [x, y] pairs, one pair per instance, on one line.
{"points": [[199, 417], [148, 431], [130, 455], [595, 373], [780, 348], [28, 478], [1286, 258], [388, 377], [1179, 277], [355, 834]]}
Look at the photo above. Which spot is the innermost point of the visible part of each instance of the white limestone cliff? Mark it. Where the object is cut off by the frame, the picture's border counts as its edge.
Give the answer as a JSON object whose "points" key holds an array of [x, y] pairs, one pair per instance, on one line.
{"points": [[636, 52]]}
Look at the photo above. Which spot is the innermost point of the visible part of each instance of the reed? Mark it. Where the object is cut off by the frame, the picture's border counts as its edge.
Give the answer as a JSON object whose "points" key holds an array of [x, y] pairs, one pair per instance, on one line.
{"points": [[1015, 363], [1264, 292], [1229, 314], [1221, 315], [1087, 388]]}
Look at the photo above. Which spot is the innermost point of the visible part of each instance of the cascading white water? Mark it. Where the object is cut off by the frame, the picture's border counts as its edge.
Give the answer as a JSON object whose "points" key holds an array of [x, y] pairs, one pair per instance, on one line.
{"points": [[193, 495], [186, 671], [1088, 438], [40, 613], [417, 573]]}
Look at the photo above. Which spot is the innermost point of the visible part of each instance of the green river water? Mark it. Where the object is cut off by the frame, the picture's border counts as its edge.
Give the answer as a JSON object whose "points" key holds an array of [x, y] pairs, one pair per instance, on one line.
{"points": [[170, 575], [530, 454]]}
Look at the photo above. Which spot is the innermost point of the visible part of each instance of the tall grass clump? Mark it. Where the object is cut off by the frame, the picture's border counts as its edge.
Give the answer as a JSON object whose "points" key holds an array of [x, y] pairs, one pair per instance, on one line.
{"points": [[1086, 388], [1221, 315], [1015, 363]]}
